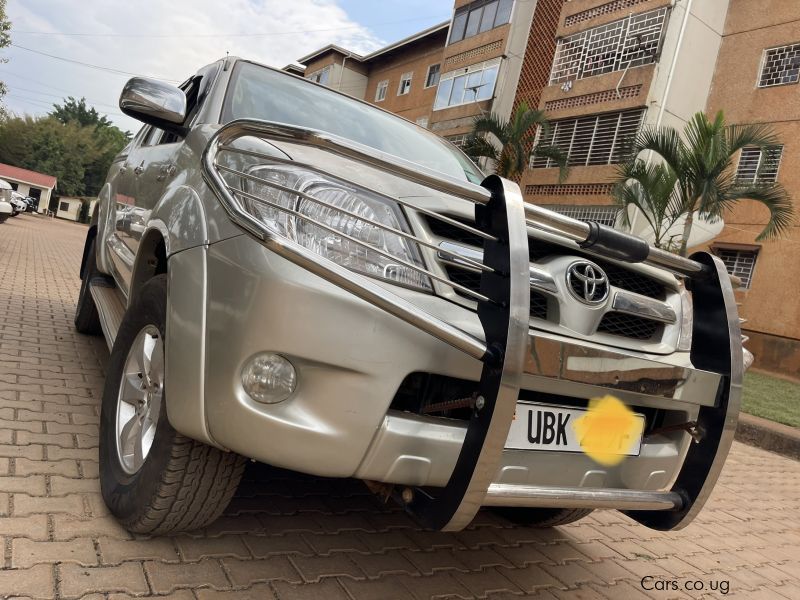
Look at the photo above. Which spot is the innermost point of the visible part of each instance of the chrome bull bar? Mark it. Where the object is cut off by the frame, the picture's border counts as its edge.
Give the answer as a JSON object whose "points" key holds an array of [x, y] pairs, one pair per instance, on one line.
{"points": [[501, 220]]}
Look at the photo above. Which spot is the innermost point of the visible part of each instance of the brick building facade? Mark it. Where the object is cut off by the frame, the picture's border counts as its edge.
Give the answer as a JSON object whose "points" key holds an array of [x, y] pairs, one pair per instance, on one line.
{"points": [[756, 81]]}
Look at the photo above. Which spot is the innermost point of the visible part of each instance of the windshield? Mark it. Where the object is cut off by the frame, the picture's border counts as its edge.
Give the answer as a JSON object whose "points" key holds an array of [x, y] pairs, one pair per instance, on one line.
{"points": [[257, 92]]}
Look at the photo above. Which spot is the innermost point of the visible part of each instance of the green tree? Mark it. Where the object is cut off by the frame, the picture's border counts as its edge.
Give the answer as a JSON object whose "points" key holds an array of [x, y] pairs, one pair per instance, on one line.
{"points": [[76, 111], [78, 154], [652, 189], [515, 138], [702, 161], [5, 41]]}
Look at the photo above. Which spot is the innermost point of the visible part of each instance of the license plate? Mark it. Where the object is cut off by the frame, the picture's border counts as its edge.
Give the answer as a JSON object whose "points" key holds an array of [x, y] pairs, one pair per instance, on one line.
{"points": [[547, 427]]}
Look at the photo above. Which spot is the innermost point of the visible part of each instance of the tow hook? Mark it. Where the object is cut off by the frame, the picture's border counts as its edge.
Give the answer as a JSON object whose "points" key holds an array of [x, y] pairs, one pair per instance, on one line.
{"points": [[691, 427]]}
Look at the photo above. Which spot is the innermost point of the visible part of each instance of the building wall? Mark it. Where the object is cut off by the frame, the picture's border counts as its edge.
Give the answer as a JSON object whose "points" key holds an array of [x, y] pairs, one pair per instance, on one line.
{"points": [[73, 207], [347, 74], [671, 89], [416, 58], [465, 53], [771, 305]]}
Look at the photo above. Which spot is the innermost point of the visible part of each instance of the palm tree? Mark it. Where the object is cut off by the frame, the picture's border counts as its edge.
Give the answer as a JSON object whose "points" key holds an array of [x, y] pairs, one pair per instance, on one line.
{"points": [[652, 189], [702, 162], [516, 140]]}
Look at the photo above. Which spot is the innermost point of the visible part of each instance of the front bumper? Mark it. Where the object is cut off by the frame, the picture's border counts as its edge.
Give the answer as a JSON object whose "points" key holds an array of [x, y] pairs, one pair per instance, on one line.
{"points": [[351, 357]]}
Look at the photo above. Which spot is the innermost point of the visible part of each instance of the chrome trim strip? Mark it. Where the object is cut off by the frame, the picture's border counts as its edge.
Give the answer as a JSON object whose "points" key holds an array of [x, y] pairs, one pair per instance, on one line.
{"points": [[539, 278], [542, 280], [501, 494], [642, 306]]}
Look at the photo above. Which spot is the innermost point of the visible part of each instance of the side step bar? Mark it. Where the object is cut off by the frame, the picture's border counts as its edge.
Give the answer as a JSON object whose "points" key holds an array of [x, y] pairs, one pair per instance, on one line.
{"points": [[110, 308], [502, 494]]}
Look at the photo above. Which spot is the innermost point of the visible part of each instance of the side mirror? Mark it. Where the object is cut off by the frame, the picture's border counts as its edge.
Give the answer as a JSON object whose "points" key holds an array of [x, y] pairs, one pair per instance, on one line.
{"points": [[155, 103]]}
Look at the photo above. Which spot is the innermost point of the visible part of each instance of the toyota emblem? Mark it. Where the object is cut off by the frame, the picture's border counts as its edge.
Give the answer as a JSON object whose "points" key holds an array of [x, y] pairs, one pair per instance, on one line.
{"points": [[587, 282]]}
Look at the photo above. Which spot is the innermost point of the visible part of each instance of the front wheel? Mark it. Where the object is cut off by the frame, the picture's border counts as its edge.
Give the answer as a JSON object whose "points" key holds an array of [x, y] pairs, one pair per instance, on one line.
{"points": [[153, 479]]}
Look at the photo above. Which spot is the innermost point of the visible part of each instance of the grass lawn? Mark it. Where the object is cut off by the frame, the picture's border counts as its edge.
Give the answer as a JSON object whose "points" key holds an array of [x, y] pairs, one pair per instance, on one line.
{"points": [[772, 398]]}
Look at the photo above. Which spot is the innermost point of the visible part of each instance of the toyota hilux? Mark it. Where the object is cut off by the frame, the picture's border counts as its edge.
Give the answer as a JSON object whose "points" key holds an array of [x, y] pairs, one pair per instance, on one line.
{"points": [[290, 275]]}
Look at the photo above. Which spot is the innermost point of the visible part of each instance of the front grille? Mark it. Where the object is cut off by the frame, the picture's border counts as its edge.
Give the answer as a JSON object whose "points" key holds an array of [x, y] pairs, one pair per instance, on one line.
{"points": [[613, 323], [629, 326], [539, 249], [472, 280]]}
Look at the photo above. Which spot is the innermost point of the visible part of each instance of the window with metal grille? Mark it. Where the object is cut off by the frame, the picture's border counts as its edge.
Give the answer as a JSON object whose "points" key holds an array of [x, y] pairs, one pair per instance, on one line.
{"points": [[630, 42], [380, 91], [739, 263], [479, 16], [592, 140], [605, 215], [780, 66], [756, 166], [470, 84], [432, 78]]}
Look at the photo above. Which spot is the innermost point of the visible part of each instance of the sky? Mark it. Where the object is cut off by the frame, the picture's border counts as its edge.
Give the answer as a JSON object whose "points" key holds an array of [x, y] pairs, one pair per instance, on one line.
{"points": [[171, 40]]}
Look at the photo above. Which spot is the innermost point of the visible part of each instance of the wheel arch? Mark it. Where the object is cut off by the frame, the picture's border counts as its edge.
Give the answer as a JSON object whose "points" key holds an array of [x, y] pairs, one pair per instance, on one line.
{"points": [[151, 257]]}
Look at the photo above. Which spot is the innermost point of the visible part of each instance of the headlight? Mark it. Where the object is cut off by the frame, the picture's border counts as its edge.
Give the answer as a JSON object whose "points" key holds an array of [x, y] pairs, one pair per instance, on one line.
{"points": [[348, 222]]}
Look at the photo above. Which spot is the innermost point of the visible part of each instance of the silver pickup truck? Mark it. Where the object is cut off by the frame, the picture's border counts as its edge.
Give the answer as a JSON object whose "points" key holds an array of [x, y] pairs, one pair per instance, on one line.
{"points": [[287, 274]]}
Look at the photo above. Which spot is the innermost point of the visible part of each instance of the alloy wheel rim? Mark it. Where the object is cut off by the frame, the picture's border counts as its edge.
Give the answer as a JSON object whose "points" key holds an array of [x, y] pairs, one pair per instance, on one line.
{"points": [[139, 399]]}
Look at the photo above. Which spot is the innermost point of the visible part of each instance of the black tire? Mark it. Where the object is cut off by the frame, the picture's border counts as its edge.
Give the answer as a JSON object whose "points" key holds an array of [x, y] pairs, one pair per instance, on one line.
{"points": [[542, 517], [86, 318], [182, 484]]}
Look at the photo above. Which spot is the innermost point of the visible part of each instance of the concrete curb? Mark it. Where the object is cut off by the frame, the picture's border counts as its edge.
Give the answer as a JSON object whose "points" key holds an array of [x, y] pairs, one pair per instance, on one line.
{"points": [[769, 435]]}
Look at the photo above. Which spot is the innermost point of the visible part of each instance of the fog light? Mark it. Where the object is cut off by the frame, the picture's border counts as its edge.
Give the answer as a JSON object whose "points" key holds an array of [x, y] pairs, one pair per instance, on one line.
{"points": [[269, 378]]}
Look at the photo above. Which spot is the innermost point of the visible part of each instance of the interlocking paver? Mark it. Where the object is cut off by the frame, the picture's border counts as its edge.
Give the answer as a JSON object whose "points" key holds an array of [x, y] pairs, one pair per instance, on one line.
{"points": [[77, 581], [194, 548], [115, 551], [36, 582], [244, 573], [288, 536], [27, 553], [32, 526], [168, 577]]}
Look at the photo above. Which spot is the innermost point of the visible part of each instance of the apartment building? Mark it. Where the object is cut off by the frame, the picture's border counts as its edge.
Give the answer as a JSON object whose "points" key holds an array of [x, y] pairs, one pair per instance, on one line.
{"points": [[614, 67], [440, 78], [756, 81]]}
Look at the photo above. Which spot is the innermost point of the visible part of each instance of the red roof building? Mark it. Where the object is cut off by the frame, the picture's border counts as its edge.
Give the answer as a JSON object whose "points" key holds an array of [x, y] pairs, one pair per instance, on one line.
{"points": [[30, 183], [40, 180]]}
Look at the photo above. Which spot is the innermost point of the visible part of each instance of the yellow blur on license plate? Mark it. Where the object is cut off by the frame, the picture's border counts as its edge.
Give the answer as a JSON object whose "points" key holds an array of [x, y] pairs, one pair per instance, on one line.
{"points": [[547, 427]]}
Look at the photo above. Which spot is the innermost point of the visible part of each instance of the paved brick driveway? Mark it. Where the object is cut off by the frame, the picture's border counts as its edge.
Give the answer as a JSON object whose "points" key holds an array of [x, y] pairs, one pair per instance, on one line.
{"points": [[287, 536]]}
